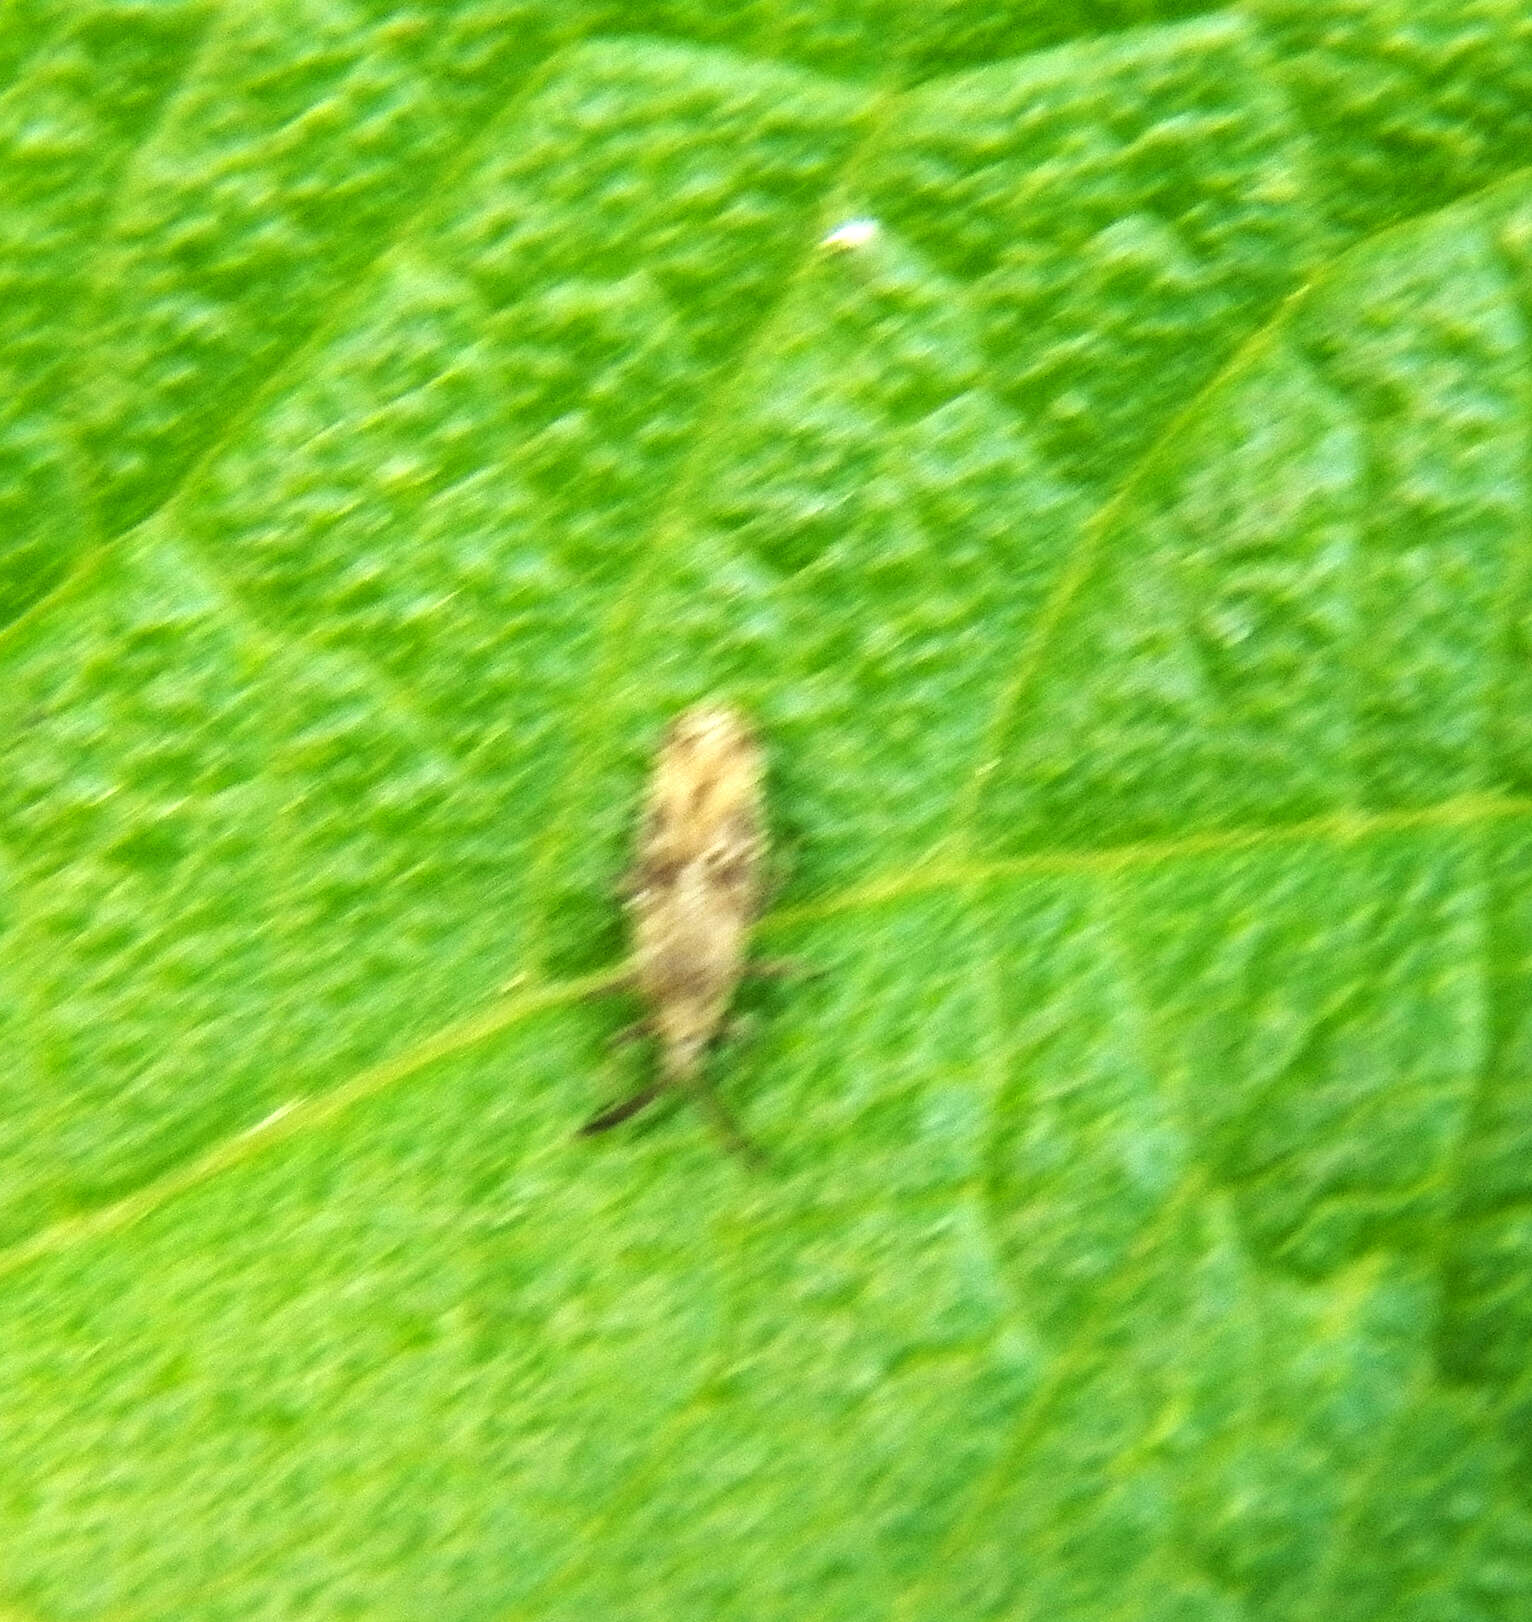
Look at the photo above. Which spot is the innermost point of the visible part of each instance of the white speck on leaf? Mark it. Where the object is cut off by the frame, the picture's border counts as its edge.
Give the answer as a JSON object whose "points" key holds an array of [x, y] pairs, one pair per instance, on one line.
{"points": [[850, 234]]}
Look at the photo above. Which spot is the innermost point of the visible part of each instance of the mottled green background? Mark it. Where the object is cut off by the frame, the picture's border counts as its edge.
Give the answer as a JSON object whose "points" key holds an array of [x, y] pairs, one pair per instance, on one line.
{"points": [[1127, 554]]}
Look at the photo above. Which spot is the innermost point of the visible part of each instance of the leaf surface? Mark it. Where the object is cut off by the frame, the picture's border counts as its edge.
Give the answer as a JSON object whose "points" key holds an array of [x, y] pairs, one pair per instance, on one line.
{"points": [[1125, 550]]}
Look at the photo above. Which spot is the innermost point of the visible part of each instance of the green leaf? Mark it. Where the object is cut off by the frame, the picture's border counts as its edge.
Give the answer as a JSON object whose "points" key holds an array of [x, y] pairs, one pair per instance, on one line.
{"points": [[1125, 544]]}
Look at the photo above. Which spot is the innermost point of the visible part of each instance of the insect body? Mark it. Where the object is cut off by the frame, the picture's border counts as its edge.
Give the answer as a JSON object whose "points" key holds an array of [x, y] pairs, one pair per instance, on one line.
{"points": [[694, 892]]}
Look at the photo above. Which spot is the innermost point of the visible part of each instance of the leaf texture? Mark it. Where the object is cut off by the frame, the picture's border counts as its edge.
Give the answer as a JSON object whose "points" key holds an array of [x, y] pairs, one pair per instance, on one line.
{"points": [[1125, 548]]}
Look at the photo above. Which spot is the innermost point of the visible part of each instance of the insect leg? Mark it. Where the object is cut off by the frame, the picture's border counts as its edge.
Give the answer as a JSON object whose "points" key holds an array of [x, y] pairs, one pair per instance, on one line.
{"points": [[629, 1033], [723, 1123], [781, 968], [616, 1114]]}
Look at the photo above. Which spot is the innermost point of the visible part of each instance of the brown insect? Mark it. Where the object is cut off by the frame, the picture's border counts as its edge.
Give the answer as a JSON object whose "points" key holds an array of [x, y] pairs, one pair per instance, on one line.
{"points": [[693, 894]]}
